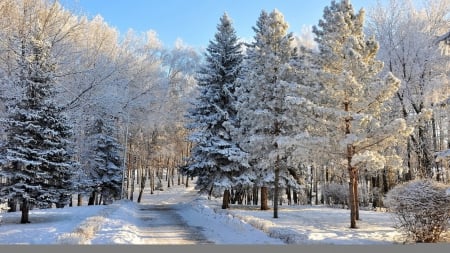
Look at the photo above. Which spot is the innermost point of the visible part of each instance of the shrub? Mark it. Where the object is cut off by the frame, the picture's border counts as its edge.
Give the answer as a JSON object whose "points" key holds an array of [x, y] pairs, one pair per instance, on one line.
{"points": [[336, 194], [421, 209]]}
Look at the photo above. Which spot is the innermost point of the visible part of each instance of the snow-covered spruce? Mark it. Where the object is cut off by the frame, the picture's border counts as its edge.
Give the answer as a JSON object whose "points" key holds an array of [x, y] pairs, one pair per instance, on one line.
{"points": [[103, 160], [421, 209], [268, 121], [216, 159], [39, 165]]}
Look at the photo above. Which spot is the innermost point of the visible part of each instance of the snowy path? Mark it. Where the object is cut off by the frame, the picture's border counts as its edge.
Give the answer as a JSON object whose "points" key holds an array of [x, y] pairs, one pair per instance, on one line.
{"points": [[149, 224], [175, 216]]}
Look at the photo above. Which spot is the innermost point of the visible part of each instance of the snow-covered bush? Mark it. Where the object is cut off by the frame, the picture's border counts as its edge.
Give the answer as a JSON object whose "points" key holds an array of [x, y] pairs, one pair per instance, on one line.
{"points": [[421, 209], [335, 194]]}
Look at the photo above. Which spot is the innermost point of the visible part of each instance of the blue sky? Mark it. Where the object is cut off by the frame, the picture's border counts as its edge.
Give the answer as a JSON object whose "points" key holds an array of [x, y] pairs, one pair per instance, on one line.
{"points": [[195, 21]]}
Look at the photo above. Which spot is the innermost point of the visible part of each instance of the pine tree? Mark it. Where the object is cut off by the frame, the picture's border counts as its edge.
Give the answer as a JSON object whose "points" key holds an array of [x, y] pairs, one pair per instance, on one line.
{"points": [[104, 162], [39, 161], [265, 113], [348, 114], [216, 158]]}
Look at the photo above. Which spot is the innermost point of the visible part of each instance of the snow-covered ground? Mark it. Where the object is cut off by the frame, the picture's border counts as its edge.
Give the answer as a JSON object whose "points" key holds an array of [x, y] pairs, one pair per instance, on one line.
{"points": [[124, 222]]}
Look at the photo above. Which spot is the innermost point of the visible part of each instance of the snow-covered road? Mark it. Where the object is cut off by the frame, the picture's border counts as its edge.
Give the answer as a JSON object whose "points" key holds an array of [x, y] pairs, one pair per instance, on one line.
{"points": [[174, 216], [150, 224]]}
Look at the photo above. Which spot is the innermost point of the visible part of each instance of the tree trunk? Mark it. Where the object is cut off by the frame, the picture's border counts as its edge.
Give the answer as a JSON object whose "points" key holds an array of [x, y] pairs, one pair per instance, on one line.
{"points": [[295, 198], [352, 202], [25, 208], [311, 186], [80, 200], [168, 178], [152, 181], [289, 196], [187, 181], [91, 200], [141, 191], [226, 199], [276, 191], [255, 195], [12, 204], [133, 178], [355, 191], [264, 198]]}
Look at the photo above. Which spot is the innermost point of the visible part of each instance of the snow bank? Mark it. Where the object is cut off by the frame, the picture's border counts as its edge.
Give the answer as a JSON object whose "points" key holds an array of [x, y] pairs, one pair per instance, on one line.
{"points": [[220, 226], [85, 232]]}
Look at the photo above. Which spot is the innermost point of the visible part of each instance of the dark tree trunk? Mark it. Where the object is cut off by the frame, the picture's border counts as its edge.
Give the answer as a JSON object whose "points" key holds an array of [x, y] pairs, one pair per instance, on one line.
{"points": [[255, 195], [226, 199], [264, 198], [276, 191], [12, 204], [91, 200], [80, 200], [25, 208], [141, 191], [289, 196], [355, 190], [295, 197]]}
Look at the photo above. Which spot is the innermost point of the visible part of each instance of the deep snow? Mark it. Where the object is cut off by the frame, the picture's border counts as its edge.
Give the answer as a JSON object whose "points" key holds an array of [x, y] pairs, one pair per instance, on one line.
{"points": [[122, 223]]}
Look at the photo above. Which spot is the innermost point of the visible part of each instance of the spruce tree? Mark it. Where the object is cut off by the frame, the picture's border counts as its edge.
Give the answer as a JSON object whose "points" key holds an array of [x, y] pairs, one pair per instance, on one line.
{"points": [[266, 115], [38, 159], [216, 158], [104, 162]]}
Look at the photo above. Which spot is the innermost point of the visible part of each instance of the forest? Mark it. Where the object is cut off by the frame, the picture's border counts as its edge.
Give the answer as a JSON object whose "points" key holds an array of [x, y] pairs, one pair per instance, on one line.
{"points": [[339, 115]]}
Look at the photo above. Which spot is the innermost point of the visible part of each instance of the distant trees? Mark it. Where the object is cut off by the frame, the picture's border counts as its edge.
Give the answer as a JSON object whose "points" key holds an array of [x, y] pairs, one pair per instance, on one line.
{"points": [[92, 95], [420, 61]]}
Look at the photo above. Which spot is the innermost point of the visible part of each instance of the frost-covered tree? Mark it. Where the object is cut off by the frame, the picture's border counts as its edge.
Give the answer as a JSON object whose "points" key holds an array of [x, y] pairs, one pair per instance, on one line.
{"points": [[39, 162], [348, 114], [104, 159], [266, 116], [216, 158], [408, 36]]}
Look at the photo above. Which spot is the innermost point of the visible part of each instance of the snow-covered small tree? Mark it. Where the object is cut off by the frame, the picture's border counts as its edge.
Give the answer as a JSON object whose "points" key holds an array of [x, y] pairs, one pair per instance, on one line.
{"points": [[37, 150], [104, 162], [216, 158], [266, 117], [347, 113], [421, 209]]}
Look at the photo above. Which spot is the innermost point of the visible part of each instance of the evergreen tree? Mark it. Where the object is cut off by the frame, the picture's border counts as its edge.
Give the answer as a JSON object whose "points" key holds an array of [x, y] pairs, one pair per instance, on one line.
{"points": [[267, 116], [37, 150], [348, 114], [104, 162], [216, 158]]}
